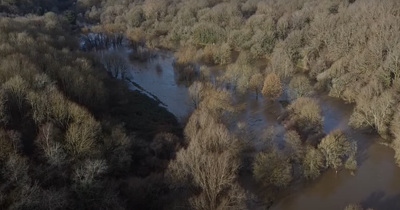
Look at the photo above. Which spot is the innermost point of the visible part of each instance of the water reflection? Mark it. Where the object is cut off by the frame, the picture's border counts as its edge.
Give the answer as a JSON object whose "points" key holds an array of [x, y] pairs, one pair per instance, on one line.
{"points": [[157, 77]]}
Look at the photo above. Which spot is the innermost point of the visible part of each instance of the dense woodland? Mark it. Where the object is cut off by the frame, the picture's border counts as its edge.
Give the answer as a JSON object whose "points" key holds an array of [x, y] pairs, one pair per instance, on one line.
{"points": [[71, 136], [74, 136]]}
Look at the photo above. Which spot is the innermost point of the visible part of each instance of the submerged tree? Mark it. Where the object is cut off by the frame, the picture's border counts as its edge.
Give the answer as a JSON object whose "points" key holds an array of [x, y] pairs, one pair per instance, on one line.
{"points": [[240, 76], [336, 147], [272, 88], [197, 92], [115, 65], [373, 110], [293, 145], [306, 115], [313, 163], [256, 83], [272, 169], [300, 87], [210, 163]]}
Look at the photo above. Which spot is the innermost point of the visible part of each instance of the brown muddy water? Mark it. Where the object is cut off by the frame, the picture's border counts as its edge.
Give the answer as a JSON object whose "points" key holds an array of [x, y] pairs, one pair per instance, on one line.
{"points": [[376, 184]]}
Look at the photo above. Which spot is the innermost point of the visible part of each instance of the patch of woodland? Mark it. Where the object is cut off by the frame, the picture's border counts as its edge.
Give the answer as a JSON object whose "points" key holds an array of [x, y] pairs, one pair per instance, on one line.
{"points": [[72, 135]]}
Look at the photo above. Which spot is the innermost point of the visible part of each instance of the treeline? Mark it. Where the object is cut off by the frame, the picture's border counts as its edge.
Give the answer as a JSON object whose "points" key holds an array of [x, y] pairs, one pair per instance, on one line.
{"points": [[71, 136], [38, 7], [348, 47]]}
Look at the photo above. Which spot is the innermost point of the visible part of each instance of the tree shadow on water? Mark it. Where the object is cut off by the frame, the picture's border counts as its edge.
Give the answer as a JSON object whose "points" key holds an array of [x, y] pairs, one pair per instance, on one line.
{"points": [[364, 141], [379, 201]]}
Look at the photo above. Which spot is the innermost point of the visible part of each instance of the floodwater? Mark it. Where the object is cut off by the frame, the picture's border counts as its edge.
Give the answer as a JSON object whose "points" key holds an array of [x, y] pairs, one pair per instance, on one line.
{"points": [[376, 184], [157, 76]]}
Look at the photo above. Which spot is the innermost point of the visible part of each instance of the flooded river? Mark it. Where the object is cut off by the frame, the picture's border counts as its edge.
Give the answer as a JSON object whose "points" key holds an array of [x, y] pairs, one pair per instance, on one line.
{"points": [[376, 184]]}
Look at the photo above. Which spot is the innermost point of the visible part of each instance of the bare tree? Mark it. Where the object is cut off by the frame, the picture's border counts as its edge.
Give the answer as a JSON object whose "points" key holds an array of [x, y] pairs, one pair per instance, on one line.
{"points": [[115, 64], [306, 114], [395, 131], [373, 110], [210, 163], [313, 163], [53, 151], [89, 171], [335, 147], [16, 169], [154, 9], [294, 145], [217, 102], [300, 87], [82, 133], [272, 88], [164, 144], [239, 76], [272, 169], [17, 88], [197, 92], [256, 83]]}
